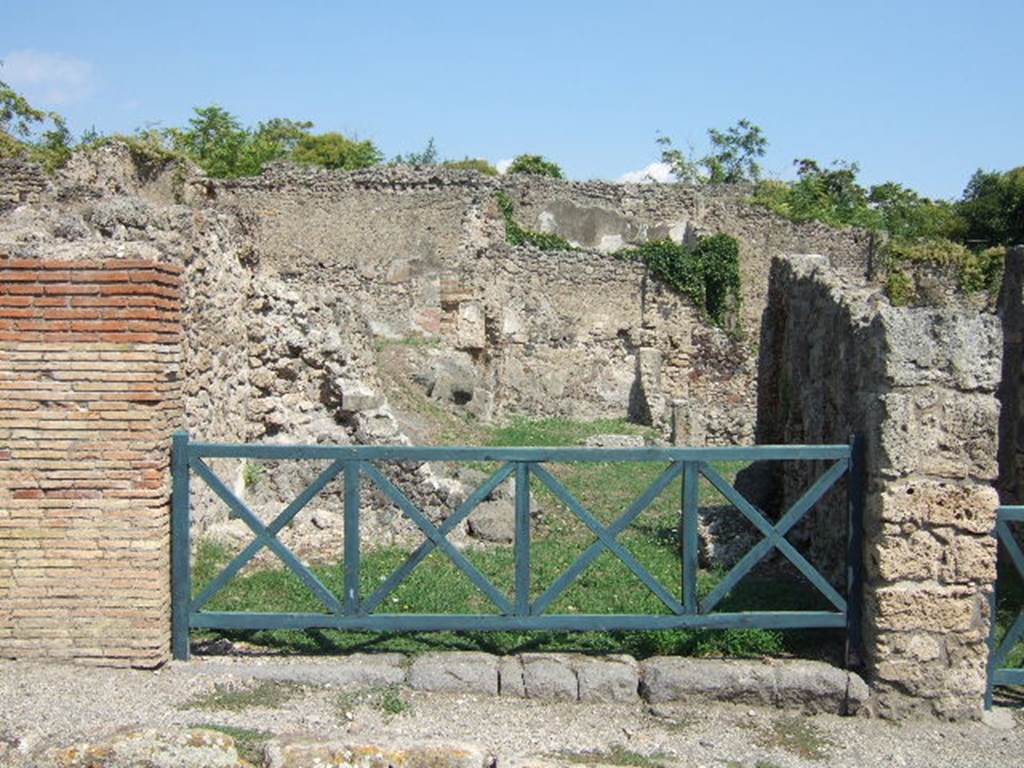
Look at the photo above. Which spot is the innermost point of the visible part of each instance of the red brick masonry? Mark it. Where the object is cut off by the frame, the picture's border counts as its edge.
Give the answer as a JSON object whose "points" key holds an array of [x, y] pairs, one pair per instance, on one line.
{"points": [[89, 396]]}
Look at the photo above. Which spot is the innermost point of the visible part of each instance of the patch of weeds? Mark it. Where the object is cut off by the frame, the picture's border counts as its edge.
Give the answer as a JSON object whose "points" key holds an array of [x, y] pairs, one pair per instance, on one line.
{"points": [[248, 742], [387, 699], [270, 694], [616, 754], [796, 736], [252, 474]]}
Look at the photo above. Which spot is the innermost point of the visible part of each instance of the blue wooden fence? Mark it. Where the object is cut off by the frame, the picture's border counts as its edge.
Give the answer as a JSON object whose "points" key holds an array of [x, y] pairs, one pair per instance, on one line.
{"points": [[999, 649], [355, 610]]}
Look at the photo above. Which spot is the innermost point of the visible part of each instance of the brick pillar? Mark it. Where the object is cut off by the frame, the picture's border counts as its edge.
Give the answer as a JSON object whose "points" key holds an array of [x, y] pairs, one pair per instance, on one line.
{"points": [[89, 396]]}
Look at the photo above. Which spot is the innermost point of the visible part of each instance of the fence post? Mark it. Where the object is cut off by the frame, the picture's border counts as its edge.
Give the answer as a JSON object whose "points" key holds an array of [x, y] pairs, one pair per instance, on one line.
{"points": [[522, 540], [691, 542], [856, 481], [351, 601], [181, 575]]}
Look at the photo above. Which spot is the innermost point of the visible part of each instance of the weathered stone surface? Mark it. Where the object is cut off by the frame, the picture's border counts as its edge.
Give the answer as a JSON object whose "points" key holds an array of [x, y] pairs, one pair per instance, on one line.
{"points": [[494, 521], [919, 385], [550, 676], [607, 678], [670, 678], [195, 748], [805, 685], [456, 672], [510, 674], [306, 753]]}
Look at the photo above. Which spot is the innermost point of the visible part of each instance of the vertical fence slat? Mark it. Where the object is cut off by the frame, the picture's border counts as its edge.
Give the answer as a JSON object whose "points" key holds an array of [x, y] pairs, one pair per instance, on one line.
{"points": [[691, 505], [351, 601], [522, 541], [855, 484], [181, 576]]}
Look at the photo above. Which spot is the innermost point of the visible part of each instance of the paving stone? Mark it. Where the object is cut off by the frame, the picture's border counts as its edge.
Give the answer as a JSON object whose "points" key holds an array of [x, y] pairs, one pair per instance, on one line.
{"points": [[455, 672]]}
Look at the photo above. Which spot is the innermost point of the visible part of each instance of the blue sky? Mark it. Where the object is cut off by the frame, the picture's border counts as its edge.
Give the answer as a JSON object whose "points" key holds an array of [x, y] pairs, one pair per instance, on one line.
{"points": [[919, 92]]}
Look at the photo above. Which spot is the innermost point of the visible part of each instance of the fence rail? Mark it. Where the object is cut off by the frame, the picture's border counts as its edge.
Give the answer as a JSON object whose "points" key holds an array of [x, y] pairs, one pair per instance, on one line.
{"points": [[999, 649], [357, 610]]}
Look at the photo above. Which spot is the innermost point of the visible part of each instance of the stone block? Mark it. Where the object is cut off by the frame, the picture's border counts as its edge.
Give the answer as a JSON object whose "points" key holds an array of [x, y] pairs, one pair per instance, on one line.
{"points": [[494, 521], [908, 607], [302, 752], [607, 678], [163, 748], [455, 672], [671, 678], [939, 432], [549, 676], [470, 331], [510, 677], [968, 507]]}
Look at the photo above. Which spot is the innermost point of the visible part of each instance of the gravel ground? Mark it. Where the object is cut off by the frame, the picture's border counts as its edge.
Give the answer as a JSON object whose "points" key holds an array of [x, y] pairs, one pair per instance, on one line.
{"points": [[53, 704]]}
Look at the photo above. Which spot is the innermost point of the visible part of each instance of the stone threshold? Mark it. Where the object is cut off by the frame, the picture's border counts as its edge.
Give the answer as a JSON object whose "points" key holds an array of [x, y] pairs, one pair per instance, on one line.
{"points": [[808, 686]]}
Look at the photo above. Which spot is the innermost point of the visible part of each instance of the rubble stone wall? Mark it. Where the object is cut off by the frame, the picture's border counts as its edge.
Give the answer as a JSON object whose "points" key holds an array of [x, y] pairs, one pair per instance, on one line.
{"points": [[89, 396], [919, 384]]}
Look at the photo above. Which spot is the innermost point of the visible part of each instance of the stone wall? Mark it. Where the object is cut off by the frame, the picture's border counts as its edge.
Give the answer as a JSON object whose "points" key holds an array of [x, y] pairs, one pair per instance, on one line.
{"points": [[89, 395], [919, 384], [420, 253]]}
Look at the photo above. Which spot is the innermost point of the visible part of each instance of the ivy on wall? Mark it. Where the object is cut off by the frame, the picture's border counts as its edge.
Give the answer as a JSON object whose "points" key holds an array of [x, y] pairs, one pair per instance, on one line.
{"points": [[708, 274]]}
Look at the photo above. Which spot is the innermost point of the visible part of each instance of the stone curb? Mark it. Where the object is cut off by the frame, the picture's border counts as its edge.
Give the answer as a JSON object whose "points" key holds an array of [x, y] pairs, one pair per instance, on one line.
{"points": [[809, 686]]}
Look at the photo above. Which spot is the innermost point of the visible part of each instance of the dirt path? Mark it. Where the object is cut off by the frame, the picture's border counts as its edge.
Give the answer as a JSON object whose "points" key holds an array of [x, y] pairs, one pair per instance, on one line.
{"points": [[53, 704]]}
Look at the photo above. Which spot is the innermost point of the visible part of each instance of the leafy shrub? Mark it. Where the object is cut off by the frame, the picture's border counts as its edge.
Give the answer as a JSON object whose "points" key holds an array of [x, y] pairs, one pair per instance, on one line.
{"points": [[472, 164], [535, 165], [337, 152]]}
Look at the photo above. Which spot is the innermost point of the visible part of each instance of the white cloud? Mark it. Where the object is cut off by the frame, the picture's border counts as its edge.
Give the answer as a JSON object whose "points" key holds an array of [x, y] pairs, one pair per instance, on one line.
{"points": [[503, 165], [655, 172], [50, 78]]}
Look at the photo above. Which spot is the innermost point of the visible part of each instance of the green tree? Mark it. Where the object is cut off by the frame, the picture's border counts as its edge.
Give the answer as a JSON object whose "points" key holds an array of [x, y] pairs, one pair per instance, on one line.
{"points": [[426, 156], [535, 165], [734, 153], [993, 207], [216, 140], [732, 159], [19, 124], [335, 151]]}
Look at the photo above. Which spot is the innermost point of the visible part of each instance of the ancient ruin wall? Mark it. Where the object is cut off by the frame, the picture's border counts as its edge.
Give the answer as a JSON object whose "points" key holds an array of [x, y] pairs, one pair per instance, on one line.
{"points": [[919, 384], [89, 395]]}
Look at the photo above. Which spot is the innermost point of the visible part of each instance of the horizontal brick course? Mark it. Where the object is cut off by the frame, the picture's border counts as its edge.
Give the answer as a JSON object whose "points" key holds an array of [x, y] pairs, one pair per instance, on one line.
{"points": [[89, 396]]}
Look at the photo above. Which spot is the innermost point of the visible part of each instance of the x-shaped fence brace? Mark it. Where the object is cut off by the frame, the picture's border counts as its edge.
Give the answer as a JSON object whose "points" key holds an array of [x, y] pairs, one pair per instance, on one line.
{"points": [[607, 538], [997, 673]]}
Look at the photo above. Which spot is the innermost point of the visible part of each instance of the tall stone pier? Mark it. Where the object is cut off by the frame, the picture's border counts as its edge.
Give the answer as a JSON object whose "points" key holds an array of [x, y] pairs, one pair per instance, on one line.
{"points": [[919, 384]]}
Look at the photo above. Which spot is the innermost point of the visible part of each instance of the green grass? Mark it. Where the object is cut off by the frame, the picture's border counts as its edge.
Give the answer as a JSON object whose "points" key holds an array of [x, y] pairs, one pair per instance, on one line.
{"points": [[270, 694], [1011, 602], [248, 742], [606, 586]]}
